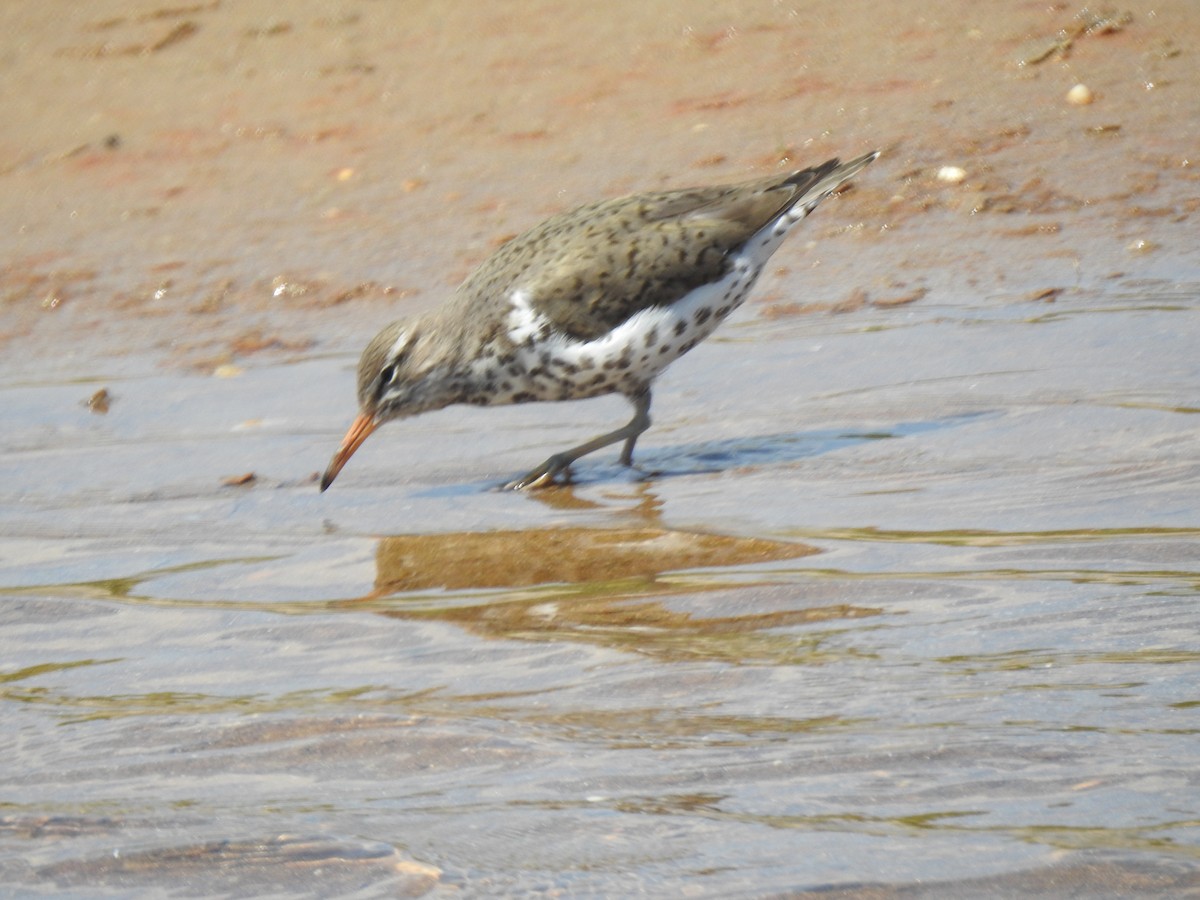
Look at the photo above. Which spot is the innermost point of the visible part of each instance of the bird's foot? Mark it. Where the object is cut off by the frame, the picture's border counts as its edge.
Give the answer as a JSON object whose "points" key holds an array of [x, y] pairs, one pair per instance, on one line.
{"points": [[543, 475]]}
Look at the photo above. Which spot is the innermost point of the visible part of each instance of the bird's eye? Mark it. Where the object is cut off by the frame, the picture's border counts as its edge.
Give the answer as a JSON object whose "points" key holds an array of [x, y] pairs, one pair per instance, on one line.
{"points": [[386, 374]]}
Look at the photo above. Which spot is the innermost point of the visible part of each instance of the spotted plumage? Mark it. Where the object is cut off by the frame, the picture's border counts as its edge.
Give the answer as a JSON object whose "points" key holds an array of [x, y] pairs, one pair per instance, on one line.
{"points": [[594, 301]]}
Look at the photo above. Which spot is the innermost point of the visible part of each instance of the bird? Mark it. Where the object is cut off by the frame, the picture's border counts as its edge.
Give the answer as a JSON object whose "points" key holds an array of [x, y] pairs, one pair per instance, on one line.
{"points": [[596, 300]]}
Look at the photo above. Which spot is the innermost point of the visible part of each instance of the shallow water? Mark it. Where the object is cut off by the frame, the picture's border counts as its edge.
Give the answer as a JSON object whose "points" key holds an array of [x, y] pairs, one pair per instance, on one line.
{"points": [[986, 670]]}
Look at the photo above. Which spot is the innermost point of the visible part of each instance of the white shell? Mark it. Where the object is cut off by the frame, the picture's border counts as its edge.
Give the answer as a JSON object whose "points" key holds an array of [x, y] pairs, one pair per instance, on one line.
{"points": [[1080, 95]]}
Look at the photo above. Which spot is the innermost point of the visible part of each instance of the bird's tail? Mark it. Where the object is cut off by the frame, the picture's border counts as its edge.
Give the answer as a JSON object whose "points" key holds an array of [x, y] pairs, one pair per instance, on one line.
{"points": [[819, 182]]}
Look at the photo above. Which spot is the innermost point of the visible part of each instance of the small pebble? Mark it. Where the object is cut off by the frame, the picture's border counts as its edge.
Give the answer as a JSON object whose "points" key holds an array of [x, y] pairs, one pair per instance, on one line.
{"points": [[952, 174], [1080, 95], [99, 402]]}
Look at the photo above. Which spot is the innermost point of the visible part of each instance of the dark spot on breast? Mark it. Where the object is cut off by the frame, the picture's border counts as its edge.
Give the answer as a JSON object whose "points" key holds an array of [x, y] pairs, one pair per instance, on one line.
{"points": [[680, 327], [703, 315], [652, 337]]}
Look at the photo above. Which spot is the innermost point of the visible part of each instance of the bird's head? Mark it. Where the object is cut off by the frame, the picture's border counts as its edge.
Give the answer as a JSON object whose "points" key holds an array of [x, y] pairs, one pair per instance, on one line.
{"points": [[396, 378]]}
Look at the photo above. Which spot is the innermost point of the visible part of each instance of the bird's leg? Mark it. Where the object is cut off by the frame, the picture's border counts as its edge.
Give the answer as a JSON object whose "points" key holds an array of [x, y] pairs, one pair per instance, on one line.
{"points": [[545, 474], [639, 423]]}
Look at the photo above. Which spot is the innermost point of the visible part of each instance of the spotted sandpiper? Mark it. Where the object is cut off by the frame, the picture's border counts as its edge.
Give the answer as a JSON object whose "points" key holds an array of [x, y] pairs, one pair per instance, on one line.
{"points": [[594, 301]]}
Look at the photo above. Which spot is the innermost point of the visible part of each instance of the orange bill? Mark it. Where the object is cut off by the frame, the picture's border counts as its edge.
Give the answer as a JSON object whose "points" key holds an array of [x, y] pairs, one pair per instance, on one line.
{"points": [[359, 432]]}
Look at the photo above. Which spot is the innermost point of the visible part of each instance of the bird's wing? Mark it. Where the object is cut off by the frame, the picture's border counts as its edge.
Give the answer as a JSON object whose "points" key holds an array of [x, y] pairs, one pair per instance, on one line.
{"points": [[651, 250], [590, 269], [593, 286]]}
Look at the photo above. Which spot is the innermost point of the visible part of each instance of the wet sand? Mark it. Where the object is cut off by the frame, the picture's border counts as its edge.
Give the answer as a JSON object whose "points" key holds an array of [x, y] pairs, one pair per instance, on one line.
{"points": [[900, 600]]}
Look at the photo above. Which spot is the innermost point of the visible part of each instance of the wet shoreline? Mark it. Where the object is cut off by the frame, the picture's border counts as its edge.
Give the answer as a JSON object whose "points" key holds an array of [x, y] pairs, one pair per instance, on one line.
{"points": [[899, 600]]}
